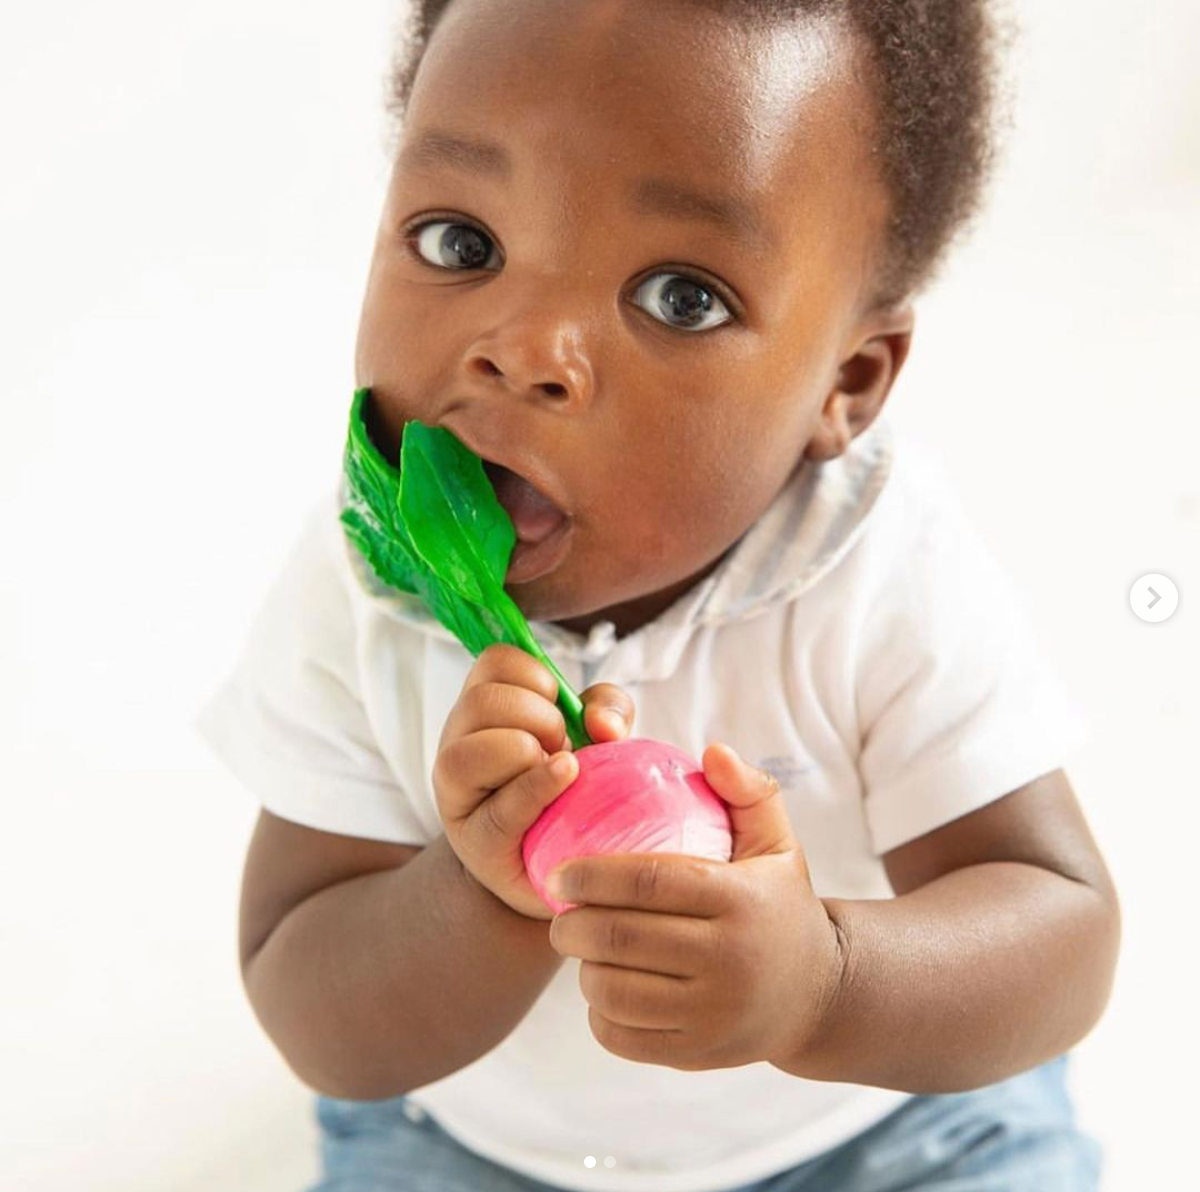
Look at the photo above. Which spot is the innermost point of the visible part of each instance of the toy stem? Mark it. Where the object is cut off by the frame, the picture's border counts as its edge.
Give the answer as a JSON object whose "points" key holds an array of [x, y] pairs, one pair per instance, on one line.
{"points": [[569, 704]]}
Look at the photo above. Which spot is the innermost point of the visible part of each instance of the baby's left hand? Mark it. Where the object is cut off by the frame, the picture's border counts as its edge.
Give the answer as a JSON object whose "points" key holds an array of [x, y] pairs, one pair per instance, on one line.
{"points": [[696, 964]]}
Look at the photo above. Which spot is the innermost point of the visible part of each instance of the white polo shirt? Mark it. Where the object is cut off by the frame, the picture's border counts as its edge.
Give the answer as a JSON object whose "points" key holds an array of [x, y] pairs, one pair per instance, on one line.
{"points": [[860, 642]]}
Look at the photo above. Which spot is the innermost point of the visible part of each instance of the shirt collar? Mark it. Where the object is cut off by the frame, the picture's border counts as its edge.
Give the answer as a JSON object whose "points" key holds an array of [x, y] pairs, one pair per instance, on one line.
{"points": [[811, 524]]}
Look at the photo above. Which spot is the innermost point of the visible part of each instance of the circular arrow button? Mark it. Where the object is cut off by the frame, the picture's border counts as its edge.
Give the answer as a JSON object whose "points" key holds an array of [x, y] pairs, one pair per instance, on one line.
{"points": [[1154, 597]]}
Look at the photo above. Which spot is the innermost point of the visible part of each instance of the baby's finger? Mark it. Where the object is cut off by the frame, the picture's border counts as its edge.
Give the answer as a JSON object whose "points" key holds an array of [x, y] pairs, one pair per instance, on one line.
{"points": [[512, 810], [608, 712], [468, 769], [503, 663], [506, 705]]}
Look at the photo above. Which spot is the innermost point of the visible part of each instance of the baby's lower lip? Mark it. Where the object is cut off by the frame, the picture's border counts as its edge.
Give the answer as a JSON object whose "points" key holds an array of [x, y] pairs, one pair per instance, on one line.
{"points": [[531, 560]]}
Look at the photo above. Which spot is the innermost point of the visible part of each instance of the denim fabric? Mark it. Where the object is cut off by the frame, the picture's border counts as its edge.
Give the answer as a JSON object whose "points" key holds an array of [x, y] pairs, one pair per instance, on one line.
{"points": [[1015, 1136]]}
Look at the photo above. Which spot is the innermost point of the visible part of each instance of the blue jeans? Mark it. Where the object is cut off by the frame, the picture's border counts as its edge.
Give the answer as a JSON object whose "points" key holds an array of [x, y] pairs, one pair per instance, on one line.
{"points": [[1015, 1136]]}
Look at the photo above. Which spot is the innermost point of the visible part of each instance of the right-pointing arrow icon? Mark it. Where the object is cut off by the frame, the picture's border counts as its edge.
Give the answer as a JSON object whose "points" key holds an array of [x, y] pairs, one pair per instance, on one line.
{"points": [[1154, 597]]}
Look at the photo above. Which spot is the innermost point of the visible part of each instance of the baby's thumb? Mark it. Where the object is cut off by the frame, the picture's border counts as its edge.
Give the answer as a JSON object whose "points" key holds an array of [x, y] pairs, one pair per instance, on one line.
{"points": [[608, 712], [756, 807]]}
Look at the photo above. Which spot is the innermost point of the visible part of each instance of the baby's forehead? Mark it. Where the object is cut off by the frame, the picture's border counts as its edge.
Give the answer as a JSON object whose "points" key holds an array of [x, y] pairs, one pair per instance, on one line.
{"points": [[718, 118]]}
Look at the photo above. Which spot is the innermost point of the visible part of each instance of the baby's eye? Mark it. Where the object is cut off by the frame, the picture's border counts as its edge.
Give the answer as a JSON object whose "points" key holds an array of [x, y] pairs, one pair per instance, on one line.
{"points": [[450, 245], [689, 300]]}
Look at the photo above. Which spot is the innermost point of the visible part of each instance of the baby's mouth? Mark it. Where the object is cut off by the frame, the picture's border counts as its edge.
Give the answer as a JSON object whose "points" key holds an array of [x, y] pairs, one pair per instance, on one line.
{"points": [[534, 516]]}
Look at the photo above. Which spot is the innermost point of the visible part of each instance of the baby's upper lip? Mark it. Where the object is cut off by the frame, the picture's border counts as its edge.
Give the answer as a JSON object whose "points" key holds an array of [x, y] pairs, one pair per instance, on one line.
{"points": [[530, 470]]}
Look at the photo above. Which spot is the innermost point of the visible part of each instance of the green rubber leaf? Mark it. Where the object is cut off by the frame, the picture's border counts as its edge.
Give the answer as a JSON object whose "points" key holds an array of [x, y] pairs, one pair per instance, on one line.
{"points": [[450, 509], [433, 527]]}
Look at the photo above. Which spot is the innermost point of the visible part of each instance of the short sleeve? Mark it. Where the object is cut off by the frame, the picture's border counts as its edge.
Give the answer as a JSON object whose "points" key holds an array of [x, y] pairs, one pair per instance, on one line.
{"points": [[957, 705], [289, 720]]}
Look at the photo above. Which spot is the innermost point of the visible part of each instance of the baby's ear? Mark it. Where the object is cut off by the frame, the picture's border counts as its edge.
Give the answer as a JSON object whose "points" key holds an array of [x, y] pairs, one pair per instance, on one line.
{"points": [[870, 365]]}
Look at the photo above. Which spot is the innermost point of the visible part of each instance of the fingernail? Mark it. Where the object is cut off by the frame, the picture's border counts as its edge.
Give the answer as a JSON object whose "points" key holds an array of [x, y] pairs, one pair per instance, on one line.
{"points": [[562, 765], [614, 720]]}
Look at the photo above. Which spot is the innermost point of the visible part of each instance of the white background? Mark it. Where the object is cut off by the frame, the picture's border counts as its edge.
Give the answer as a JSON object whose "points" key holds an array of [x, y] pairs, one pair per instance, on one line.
{"points": [[188, 205]]}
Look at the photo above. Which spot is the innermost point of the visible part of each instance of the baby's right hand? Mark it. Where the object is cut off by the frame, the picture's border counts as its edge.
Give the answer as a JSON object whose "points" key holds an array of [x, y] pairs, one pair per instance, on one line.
{"points": [[492, 774]]}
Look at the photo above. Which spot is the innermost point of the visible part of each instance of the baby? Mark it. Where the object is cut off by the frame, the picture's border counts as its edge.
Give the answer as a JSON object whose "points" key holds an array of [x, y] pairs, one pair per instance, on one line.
{"points": [[655, 263]]}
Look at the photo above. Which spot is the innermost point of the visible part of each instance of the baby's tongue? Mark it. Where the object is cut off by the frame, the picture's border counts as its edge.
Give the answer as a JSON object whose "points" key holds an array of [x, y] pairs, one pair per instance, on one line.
{"points": [[533, 516]]}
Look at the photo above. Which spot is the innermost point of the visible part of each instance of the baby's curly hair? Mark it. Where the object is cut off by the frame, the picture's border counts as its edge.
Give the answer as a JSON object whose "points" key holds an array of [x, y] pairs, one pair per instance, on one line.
{"points": [[935, 67]]}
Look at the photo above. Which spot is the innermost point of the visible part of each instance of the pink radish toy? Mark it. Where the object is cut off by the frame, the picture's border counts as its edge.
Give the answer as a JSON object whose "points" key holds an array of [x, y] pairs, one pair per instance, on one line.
{"points": [[631, 796]]}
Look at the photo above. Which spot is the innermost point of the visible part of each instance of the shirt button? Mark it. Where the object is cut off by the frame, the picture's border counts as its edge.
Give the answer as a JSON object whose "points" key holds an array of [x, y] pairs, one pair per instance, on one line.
{"points": [[414, 1113]]}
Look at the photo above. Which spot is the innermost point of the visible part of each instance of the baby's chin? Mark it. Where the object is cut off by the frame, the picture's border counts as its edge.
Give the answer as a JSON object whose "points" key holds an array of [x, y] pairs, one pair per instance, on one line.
{"points": [[577, 595], [552, 598], [547, 599]]}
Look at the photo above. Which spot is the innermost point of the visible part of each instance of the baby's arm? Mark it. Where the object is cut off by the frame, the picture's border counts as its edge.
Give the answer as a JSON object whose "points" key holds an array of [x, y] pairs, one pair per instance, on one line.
{"points": [[378, 968], [997, 953]]}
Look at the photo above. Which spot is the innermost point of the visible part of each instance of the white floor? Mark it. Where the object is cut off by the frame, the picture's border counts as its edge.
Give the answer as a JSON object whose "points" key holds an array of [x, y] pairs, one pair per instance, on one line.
{"points": [[165, 330]]}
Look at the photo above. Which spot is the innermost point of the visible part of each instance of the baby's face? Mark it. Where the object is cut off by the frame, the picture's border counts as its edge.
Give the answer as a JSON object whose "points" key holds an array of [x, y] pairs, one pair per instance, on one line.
{"points": [[560, 302]]}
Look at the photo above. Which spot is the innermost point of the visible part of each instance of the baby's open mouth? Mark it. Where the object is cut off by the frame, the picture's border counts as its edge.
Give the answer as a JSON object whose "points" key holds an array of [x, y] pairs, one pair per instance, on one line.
{"points": [[534, 516]]}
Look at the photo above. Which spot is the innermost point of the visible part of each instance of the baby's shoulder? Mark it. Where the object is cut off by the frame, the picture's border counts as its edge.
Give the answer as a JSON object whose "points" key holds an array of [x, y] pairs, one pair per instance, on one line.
{"points": [[919, 517]]}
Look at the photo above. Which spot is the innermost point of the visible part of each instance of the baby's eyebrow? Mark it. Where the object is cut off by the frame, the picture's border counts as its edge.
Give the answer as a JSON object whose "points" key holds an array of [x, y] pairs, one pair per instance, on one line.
{"points": [[665, 196], [648, 196], [436, 148]]}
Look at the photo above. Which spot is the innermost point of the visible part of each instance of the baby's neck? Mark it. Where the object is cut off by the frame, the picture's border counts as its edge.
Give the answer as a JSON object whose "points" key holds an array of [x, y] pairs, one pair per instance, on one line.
{"points": [[631, 615]]}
